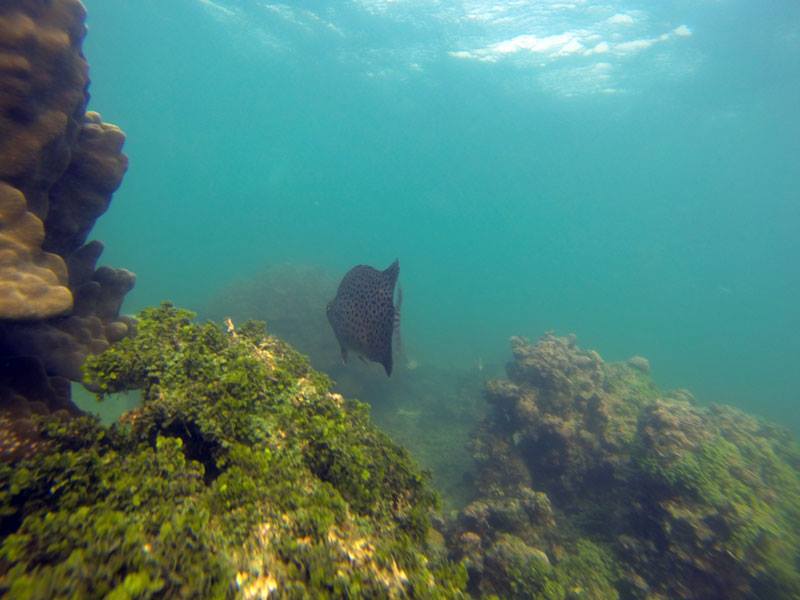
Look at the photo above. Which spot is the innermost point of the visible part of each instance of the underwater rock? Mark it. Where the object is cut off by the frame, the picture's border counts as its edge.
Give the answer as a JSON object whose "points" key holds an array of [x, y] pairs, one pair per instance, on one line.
{"points": [[640, 363], [557, 414], [667, 499], [516, 569], [59, 167], [241, 474]]}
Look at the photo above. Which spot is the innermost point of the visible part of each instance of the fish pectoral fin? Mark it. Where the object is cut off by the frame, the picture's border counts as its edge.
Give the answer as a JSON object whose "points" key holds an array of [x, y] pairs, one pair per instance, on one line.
{"points": [[364, 360], [344, 354]]}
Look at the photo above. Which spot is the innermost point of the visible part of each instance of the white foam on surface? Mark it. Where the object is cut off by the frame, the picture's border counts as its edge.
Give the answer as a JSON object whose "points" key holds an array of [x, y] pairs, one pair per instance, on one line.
{"points": [[682, 31], [620, 19], [213, 6], [556, 40]]}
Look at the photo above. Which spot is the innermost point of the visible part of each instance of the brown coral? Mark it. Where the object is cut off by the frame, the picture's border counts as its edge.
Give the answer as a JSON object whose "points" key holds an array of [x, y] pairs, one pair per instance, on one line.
{"points": [[33, 283], [43, 95], [84, 191], [59, 166]]}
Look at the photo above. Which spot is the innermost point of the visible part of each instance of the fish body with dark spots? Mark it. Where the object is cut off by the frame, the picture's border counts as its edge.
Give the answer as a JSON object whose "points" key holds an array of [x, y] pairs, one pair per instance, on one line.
{"points": [[363, 315]]}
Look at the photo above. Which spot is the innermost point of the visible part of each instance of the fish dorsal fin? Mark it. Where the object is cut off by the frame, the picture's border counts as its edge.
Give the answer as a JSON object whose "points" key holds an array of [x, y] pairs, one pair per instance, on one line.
{"points": [[392, 271]]}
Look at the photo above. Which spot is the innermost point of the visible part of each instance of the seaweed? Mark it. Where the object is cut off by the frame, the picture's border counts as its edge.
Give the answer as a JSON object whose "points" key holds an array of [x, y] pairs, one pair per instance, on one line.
{"points": [[240, 474]]}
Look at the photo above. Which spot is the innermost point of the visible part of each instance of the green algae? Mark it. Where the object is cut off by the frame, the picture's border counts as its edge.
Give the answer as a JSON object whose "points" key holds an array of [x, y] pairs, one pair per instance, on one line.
{"points": [[240, 475], [520, 571], [735, 487]]}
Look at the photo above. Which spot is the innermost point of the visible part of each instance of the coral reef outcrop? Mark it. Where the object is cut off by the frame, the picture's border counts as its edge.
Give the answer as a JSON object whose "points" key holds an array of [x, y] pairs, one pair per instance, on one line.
{"points": [[594, 484], [240, 475], [59, 166]]}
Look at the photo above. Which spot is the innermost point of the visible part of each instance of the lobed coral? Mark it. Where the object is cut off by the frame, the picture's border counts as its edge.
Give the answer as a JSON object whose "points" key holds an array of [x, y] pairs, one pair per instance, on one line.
{"points": [[240, 475], [34, 282], [584, 461], [59, 166]]}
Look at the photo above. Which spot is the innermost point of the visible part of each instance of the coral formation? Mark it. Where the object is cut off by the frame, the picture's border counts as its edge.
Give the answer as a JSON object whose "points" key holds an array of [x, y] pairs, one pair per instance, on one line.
{"points": [[59, 166], [593, 484], [241, 474], [34, 282]]}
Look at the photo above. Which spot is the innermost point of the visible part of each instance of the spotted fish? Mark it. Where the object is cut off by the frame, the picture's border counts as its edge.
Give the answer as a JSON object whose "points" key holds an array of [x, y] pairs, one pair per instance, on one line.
{"points": [[363, 314]]}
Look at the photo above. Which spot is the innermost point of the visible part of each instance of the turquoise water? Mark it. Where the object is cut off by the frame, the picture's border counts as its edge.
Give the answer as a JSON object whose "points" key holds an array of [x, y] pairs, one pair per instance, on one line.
{"points": [[626, 171]]}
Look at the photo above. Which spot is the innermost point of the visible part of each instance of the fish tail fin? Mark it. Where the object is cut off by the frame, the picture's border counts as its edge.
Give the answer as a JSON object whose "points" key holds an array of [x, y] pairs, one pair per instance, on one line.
{"points": [[398, 343], [398, 338], [398, 307], [392, 271]]}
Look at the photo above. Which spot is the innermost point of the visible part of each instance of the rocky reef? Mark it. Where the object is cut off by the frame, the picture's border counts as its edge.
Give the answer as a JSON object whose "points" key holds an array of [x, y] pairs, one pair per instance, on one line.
{"points": [[593, 484], [59, 166], [241, 474]]}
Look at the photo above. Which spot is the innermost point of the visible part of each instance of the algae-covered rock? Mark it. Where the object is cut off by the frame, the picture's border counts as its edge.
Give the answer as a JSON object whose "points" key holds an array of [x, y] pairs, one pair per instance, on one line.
{"points": [[627, 491], [718, 494], [241, 475]]}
